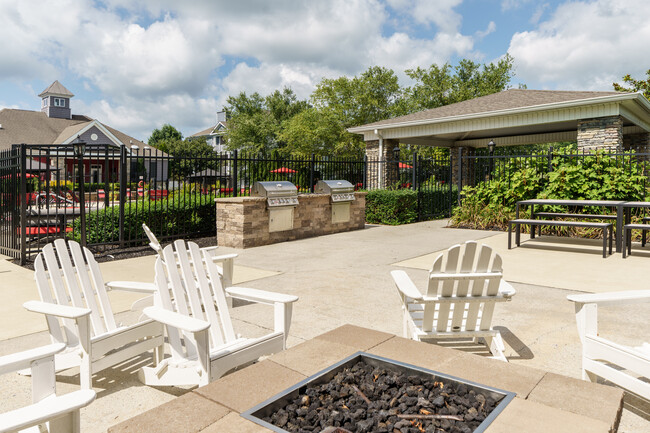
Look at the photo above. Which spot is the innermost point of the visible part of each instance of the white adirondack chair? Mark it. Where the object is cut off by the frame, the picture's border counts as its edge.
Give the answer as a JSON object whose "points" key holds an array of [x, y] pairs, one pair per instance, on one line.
{"points": [[226, 267], [465, 282], [75, 303], [201, 335], [627, 367], [48, 412]]}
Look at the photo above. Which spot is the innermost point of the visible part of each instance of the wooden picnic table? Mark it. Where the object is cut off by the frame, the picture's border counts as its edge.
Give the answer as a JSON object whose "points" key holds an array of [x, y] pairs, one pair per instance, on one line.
{"points": [[614, 204]]}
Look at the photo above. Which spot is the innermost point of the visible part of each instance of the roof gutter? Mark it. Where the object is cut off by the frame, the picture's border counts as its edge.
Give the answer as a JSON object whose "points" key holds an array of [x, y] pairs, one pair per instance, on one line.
{"points": [[638, 96]]}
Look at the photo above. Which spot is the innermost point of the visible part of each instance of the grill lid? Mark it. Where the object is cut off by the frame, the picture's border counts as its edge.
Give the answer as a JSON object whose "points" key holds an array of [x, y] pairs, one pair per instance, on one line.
{"points": [[340, 190], [278, 193]]}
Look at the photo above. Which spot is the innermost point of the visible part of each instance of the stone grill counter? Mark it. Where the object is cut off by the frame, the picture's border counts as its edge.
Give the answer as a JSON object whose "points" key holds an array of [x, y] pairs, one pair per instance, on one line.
{"points": [[243, 222]]}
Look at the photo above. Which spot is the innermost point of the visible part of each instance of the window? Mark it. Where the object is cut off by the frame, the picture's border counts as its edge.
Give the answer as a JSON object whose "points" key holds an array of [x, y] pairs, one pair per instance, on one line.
{"points": [[59, 102], [44, 101]]}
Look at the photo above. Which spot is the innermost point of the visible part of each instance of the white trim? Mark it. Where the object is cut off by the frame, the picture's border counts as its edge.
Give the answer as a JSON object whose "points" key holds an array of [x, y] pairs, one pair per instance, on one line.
{"points": [[578, 103], [99, 126]]}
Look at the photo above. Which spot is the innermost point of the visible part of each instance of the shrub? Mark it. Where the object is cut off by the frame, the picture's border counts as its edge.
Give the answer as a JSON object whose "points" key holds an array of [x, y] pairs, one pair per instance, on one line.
{"points": [[491, 204], [188, 215], [391, 207]]}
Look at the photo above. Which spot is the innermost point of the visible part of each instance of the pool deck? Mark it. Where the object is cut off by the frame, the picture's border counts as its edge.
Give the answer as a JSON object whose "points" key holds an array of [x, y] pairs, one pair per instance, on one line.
{"points": [[343, 279]]}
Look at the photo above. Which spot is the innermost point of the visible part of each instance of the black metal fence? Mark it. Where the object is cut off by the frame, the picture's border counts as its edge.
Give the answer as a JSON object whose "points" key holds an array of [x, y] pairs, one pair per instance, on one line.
{"points": [[101, 195]]}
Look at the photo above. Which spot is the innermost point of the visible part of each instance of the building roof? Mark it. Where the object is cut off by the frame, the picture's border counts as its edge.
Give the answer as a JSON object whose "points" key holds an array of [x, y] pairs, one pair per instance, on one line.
{"points": [[56, 88], [507, 99], [515, 116], [34, 127], [216, 129]]}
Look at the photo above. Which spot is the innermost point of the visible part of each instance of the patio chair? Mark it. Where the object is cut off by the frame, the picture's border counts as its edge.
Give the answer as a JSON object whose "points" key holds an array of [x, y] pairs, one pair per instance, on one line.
{"points": [[75, 303], [48, 412], [226, 269], [202, 339], [465, 282], [627, 367]]}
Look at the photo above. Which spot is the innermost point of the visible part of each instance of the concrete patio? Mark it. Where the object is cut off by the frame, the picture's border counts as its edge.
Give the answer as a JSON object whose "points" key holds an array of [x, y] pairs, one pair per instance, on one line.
{"points": [[344, 279]]}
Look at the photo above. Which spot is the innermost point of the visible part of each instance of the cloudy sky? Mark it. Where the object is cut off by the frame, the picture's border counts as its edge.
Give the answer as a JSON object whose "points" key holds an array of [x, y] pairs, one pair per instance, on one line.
{"points": [[136, 65]]}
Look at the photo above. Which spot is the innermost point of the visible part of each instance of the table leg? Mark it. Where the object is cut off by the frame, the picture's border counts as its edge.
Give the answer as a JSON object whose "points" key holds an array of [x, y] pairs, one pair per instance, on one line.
{"points": [[517, 228], [509, 235], [532, 217], [620, 215]]}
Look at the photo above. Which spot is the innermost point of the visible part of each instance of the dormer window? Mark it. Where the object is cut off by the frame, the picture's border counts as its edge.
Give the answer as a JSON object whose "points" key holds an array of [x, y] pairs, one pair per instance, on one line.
{"points": [[59, 102]]}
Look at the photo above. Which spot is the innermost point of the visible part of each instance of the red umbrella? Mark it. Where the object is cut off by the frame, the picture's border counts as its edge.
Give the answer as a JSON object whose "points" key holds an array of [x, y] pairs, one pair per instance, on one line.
{"points": [[27, 176], [283, 170], [402, 165]]}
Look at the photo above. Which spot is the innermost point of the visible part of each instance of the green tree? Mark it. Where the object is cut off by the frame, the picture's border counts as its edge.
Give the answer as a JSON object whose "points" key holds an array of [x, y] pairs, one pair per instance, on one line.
{"points": [[255, 123], [636, 85], [190, 156], [166, 133], [444, 85], [313, 131]]}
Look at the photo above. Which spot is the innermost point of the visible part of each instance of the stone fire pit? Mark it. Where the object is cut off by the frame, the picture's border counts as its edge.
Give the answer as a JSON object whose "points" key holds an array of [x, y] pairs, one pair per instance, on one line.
{"points": [[545, 402]]}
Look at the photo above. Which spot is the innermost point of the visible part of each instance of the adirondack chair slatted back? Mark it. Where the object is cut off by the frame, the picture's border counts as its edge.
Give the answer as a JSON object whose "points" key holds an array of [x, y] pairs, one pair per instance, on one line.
{"points": [[64, 278], [459, 315], [190, 290], [153, 240]]}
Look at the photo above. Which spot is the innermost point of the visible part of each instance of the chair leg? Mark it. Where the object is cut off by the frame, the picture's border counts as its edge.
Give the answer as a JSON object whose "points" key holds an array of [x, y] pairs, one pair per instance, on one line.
{"points": [[605, 232], [626, 243], [611, 237], [643, 238], [509, 236]]}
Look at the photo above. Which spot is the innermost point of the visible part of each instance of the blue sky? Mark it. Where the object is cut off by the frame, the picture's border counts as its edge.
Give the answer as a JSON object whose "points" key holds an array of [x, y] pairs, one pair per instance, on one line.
{"points": [[136, 65]]}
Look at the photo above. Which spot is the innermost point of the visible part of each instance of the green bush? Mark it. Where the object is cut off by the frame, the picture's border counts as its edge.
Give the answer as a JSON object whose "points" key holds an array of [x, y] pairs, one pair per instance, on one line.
{"points": [[183, 215], [435, 203], [491, 204], [391, 207]]}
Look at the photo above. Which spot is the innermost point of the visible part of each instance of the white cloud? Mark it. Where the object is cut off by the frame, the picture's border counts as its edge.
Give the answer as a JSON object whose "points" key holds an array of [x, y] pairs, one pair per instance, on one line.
{"points": [[512, 4], [585, 45], [439, 12], [492, 26]]}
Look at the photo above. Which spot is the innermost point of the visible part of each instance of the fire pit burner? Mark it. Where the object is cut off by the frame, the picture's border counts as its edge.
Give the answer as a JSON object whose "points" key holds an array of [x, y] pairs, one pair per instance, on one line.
{"points": [[367, 393]]}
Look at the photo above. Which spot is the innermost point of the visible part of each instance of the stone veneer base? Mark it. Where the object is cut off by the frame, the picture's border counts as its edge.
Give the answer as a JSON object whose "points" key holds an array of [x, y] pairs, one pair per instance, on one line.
{"points": [[545, 402], [243, 222]]}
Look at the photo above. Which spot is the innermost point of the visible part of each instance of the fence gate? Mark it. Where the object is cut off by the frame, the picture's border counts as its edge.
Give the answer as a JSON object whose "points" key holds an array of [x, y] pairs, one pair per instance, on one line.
{"points": [[9, 202], [432, 179]]}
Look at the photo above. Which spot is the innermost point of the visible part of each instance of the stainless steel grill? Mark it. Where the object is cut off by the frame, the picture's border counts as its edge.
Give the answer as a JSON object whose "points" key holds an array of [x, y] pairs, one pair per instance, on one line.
{"points": [[278, 194], [340, 190]]}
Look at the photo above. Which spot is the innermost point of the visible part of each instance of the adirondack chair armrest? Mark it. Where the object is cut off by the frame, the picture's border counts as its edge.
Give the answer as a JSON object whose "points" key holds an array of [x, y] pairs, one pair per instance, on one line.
{"points": [[506, 290], [405, 285], [176, 320], [132, 286], [22, 360], [209, 249], [611, 298], [64, 311], [223, 257], [262, 296]]}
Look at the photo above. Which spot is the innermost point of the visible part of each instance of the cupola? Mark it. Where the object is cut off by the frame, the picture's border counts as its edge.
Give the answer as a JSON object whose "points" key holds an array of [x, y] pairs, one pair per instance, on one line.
{"points": [[55, 101]]}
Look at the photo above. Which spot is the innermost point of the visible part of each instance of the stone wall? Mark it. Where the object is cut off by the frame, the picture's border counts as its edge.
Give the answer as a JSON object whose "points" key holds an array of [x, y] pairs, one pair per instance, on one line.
{"points": [[243, 222], [602, 133], [637, 142], [468, 169], [382, 174]]}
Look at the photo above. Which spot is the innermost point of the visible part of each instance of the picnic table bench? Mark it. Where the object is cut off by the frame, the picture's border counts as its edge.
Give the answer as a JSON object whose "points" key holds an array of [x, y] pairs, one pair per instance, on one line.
{"points": [[607, 228]]}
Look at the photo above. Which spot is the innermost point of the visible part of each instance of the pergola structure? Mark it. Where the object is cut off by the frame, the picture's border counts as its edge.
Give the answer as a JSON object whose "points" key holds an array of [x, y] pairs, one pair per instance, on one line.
{"points": [[518, 116]]}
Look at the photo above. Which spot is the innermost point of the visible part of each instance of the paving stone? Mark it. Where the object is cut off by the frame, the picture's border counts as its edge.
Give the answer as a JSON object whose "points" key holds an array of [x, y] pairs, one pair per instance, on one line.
{"points": [[356, 336], [189, 413], [233, 422], [245, 388], [413, 352], [313, 356], [531, 417], [593, 400]]}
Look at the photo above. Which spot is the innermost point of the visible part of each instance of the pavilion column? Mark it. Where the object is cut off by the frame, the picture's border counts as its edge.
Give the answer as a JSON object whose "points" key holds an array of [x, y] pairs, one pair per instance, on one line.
{"points": [[640, 142], [602, 133], [467, 171], [382, 170]]}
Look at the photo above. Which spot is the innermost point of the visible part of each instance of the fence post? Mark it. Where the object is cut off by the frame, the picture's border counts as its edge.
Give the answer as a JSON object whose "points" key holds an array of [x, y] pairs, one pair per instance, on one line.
{"points": [[414, 179], [23, 203], [311, 173], [550, 159], [234, 174], [459, 174], [122, 192], [365, 171]]}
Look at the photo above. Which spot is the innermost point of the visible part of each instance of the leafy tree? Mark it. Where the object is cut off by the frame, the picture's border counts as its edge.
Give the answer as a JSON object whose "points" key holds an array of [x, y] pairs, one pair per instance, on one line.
{"points": [[636, 85], [443, 85], [190, 156], [167, 132], [313, 131], [255, 123]]}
